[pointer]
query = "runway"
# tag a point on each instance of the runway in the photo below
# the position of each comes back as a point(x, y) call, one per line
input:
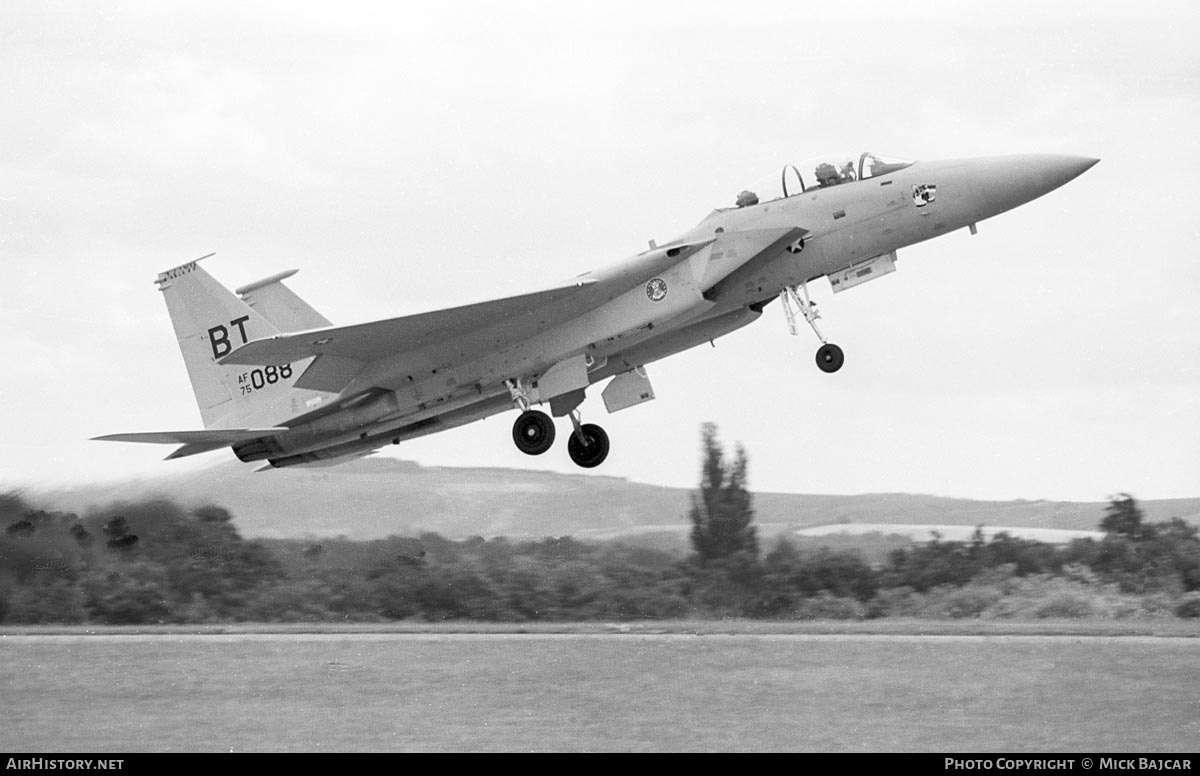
point(610, 691)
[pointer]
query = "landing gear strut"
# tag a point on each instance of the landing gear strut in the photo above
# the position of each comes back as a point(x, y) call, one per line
point(588, 445)
point(795, 300)
point(533, 431)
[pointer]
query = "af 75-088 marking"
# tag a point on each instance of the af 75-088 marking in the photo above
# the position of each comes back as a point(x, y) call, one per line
point(345, 391)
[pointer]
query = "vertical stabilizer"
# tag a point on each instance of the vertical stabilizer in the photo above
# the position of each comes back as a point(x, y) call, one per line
point(210, 321)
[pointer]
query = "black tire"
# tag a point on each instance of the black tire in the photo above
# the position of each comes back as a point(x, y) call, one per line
point(830, 358)
point(594, 452)
point(533, 432)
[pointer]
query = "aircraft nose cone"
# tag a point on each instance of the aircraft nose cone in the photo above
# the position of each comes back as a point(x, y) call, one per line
point(1009, 181)
point(1059, 169)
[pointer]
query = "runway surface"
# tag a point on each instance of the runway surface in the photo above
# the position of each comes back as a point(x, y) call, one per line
point(598, 692)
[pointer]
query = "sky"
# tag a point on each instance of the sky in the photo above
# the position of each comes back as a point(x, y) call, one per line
point(406, 159)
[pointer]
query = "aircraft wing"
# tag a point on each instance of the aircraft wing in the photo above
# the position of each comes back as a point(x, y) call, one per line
point(450, 335)
point(366, 342)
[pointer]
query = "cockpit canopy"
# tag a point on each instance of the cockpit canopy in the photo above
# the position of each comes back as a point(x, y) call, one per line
point(819, 173)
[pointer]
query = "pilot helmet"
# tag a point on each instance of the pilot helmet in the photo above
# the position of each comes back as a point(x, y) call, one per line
point(745, 198)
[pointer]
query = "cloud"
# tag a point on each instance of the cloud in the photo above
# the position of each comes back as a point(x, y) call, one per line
point(407, 158)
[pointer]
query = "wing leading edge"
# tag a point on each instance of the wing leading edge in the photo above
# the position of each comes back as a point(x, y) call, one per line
point(343, 351)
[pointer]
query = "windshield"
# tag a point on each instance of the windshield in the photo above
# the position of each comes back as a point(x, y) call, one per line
point(818, 173)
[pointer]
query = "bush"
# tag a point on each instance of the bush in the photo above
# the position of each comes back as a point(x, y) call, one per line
point(1066, 606)
point(896, 602)
point(789, 574)
point(138, 593)
point(1188, 606)
point(54, 602)
point(828, 607)
point(969, 601)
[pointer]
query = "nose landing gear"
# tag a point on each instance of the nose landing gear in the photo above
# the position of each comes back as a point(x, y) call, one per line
point(795, 300)
point(830, 358)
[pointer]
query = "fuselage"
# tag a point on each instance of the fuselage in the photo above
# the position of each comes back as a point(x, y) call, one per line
point(707, 282)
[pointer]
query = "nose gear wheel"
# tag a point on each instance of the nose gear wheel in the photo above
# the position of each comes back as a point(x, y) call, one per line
point(830, 358)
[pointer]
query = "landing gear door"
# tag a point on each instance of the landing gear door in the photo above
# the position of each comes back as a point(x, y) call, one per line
point(627, 390)
point(563, 377)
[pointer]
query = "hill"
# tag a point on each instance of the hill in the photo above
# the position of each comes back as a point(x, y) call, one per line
point(373, 498)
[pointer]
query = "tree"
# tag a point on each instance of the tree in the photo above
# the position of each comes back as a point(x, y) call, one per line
point(119, 537)
point(1122, 516)
point(722, 512)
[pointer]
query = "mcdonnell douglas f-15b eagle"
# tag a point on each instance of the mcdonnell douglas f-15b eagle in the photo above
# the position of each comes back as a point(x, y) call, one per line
point(278, 382)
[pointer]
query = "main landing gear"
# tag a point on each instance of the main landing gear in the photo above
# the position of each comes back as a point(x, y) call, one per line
point(588, 445)
point(795, 300)
point(533, 432)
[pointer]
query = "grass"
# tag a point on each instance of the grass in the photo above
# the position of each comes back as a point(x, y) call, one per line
point(889, 626)
point(697, 686)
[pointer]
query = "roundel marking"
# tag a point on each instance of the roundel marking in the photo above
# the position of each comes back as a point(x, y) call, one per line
point(656, 289)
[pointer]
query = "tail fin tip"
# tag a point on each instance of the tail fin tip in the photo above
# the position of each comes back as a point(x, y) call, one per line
point(166, 276)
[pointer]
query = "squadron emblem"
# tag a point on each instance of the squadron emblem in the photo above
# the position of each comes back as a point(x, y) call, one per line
point(656, 289)
point(924, 194)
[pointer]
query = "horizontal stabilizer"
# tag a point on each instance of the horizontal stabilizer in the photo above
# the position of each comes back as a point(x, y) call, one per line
point(217, 437)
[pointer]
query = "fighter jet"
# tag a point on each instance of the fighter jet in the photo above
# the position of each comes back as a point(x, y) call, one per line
point(277, 382)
